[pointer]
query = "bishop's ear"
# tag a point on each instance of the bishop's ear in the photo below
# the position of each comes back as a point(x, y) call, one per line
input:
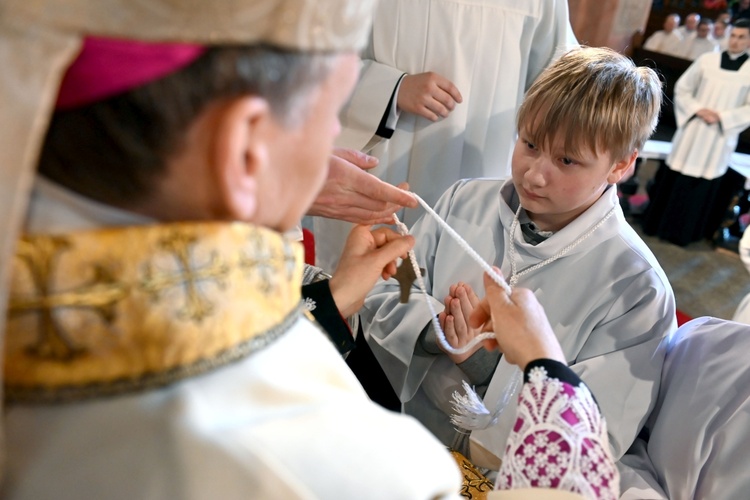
point(240, 154)
point(623, 169)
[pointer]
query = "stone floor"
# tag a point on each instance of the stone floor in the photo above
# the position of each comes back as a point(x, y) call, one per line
point(706, 281)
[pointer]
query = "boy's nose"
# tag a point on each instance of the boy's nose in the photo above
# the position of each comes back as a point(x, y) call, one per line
point(536, 175)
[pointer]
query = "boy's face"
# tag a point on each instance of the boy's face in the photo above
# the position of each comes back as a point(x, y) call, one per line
point(300, 155)
point(554, 187)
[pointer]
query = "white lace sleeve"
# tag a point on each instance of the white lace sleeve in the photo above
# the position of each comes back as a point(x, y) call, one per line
point(559, 441)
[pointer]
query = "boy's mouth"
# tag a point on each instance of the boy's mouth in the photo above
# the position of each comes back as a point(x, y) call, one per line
point(528, 194)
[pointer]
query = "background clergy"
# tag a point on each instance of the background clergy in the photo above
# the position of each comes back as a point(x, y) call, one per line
point(712, 107)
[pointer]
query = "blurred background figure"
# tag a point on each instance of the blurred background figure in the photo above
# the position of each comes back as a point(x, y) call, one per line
point(667, 40)
point(701, 42)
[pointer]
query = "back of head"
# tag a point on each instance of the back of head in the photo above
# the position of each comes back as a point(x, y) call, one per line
point(596, 99)
point(135, 132)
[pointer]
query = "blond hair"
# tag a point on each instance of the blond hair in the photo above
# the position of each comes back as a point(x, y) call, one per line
point(596, 98)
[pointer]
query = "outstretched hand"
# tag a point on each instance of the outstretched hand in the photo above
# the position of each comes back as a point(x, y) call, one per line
point(429, 95)
point(522, 331)
point(354, 195)
point(368, 255)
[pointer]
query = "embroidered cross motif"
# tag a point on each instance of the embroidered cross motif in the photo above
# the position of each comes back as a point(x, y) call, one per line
point(179, 244)
point(100, 295)
point(262, 259)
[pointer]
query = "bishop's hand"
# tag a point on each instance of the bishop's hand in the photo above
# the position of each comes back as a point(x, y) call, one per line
point(352, 194)
point(368, 255)
point(521, 327)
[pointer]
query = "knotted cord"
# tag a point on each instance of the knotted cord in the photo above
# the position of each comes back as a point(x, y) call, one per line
point(496, 277)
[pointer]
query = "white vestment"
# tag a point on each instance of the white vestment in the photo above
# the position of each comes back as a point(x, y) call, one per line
point(696, 46)
point(723, 41)
point(742, 314)
point(700, 427)
point(607, 300)
point(492, 50)
point(666, 43)
point(698, 149)
point(288, 421)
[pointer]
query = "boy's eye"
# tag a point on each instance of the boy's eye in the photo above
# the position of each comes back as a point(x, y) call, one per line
point(529, 145)
point(567, 161)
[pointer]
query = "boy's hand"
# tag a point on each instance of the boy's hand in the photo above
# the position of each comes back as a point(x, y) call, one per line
point(521, 328)
point(459, 306)
point(429, 95)
point(368, 255)
point(353, 195)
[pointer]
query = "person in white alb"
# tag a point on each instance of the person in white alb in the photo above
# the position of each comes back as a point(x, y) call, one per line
point(721, 32)
point(712, 106)
point(463, 67)
point(668, 40)
point(689, 29)
point(701, 43)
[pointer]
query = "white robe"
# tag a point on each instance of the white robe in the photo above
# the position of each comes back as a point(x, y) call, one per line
point(742, 314)
point(289, 421)
point(700, 426)
point(696, 46)
point(492, 50)
point(608, 301)
point(666, 43)
point(701, 150)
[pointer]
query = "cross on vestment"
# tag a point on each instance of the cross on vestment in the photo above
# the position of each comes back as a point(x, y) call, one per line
point(100, 295)
point(179, 244)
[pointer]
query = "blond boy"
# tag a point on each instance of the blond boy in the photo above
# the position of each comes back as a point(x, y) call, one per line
point(561, 233)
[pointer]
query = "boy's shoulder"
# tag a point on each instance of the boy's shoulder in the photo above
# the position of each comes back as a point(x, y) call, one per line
point(468, 196)
point(634, 251)
point(484, 187)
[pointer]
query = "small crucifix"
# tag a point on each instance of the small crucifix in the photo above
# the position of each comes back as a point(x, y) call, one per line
point(405, 277)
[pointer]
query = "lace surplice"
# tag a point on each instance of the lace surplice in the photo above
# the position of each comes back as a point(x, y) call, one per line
point(559, 440)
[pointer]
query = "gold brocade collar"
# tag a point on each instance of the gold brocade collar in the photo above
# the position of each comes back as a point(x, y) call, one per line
point(95, 313)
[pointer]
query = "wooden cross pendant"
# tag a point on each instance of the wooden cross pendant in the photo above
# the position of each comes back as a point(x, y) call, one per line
point(405, 277)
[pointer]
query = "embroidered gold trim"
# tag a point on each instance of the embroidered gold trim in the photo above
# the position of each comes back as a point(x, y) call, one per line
point(475, 485)
point(102, 312)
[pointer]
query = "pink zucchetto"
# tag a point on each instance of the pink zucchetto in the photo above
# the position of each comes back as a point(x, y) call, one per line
point(106, 67)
